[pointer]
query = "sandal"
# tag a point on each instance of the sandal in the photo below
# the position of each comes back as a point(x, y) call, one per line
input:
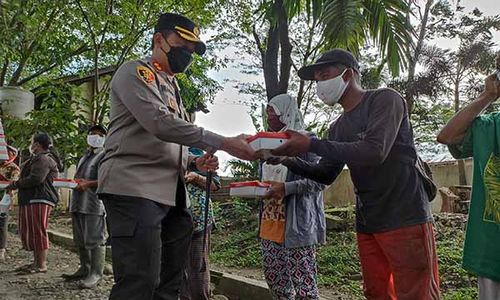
point(38, 270)
point(32, 271)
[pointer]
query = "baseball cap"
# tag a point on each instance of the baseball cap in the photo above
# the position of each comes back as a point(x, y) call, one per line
point(184, 27)
point(331, 57)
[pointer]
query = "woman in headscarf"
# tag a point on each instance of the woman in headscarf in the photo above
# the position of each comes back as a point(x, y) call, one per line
point(292, 218)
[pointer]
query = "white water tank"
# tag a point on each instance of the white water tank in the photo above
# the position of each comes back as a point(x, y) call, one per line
point(16, 101)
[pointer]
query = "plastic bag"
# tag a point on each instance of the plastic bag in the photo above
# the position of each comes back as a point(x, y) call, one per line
point(5, 203)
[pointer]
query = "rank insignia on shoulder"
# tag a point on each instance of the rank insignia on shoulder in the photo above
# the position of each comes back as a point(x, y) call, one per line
point(145, 74)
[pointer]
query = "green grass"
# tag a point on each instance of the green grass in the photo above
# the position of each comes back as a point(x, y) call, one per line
point(338, 264)
point(235, 245)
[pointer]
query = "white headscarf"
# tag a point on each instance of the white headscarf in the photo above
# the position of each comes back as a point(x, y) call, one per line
point(286, 108)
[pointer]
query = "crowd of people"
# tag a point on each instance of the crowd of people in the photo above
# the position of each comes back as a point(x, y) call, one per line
point(144, 179)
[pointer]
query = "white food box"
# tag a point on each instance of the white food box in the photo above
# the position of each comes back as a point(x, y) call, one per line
point(65, 183)
point(267, 140)
point(249, 189)
point(4, 184)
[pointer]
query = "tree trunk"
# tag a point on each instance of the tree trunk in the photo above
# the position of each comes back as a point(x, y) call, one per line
point(462, 178)
point(274, 59)
point(286, 50)
point(270, 63)
point(410, 92)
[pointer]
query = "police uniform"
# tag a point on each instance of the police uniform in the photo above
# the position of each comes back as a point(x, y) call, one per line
point(141, 179)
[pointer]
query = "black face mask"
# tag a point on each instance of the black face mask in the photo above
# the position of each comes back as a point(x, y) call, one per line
point(179, 58)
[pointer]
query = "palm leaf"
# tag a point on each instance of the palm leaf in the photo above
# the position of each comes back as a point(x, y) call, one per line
point(344, 22)
point(390, 28)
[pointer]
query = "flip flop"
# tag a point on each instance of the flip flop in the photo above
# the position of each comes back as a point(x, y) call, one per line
point(38, 270)
point(32, 271)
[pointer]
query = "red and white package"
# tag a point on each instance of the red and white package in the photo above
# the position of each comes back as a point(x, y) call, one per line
point(249, 189)
point(4, 184)
point(267, 140)
point(65, 183)
point(4, 155)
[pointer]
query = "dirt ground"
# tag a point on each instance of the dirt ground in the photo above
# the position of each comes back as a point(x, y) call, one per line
point(44, 286)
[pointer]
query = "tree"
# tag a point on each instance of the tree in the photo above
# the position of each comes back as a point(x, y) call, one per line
point(39, 43)
point(448, 77)
point(36, 39)
point(58, 117)
point(338, 23)
point(423, 18)
point(121, 30)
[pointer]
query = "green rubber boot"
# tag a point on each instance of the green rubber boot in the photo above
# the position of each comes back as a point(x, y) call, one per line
point(96, 268)
point(84, 269)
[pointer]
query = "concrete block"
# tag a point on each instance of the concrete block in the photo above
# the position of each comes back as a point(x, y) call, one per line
point(61, 239)
point(242, 288)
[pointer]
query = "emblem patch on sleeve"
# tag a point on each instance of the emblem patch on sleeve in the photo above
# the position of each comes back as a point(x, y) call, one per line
point(145, 74)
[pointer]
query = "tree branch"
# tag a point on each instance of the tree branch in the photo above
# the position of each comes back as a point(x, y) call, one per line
point(258, 42)
point(5, 67)
point(51, 66)
point(286, 50)
point(32, 47)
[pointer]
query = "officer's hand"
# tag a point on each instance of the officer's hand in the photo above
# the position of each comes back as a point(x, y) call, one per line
point(207, 162)
point(297, 144)
point(238, 146)
point(492, 87)
point(276, 191)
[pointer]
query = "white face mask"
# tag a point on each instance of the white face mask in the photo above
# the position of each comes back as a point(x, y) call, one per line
point(330, 91)
point(95, 140)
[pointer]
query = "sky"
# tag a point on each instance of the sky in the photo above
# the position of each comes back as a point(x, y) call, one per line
point(229, 118)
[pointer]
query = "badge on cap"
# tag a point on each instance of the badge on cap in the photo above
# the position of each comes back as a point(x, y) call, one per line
point(145, 74)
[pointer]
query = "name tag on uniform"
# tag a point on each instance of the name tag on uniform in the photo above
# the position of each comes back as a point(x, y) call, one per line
point(172, 104)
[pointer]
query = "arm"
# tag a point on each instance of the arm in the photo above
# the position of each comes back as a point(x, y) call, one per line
point(324, 171)
point(91, 181)
point(454, 131)
point(303, 186)
point(84, 184)
point(201, 181)
point(384, 121)
point(39, 171)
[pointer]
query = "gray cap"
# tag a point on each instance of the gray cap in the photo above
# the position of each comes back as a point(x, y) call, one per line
point(331, 57)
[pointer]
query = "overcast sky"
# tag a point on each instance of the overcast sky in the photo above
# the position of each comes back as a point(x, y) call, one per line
point(228, 118)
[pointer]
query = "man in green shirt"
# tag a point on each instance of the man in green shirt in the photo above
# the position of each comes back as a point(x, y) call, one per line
point(470, 134)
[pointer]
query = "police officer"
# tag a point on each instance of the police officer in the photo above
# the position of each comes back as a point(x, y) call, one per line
point(141, 177)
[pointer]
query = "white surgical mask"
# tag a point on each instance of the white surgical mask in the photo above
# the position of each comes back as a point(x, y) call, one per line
point(330, 91)
point(95, 141)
